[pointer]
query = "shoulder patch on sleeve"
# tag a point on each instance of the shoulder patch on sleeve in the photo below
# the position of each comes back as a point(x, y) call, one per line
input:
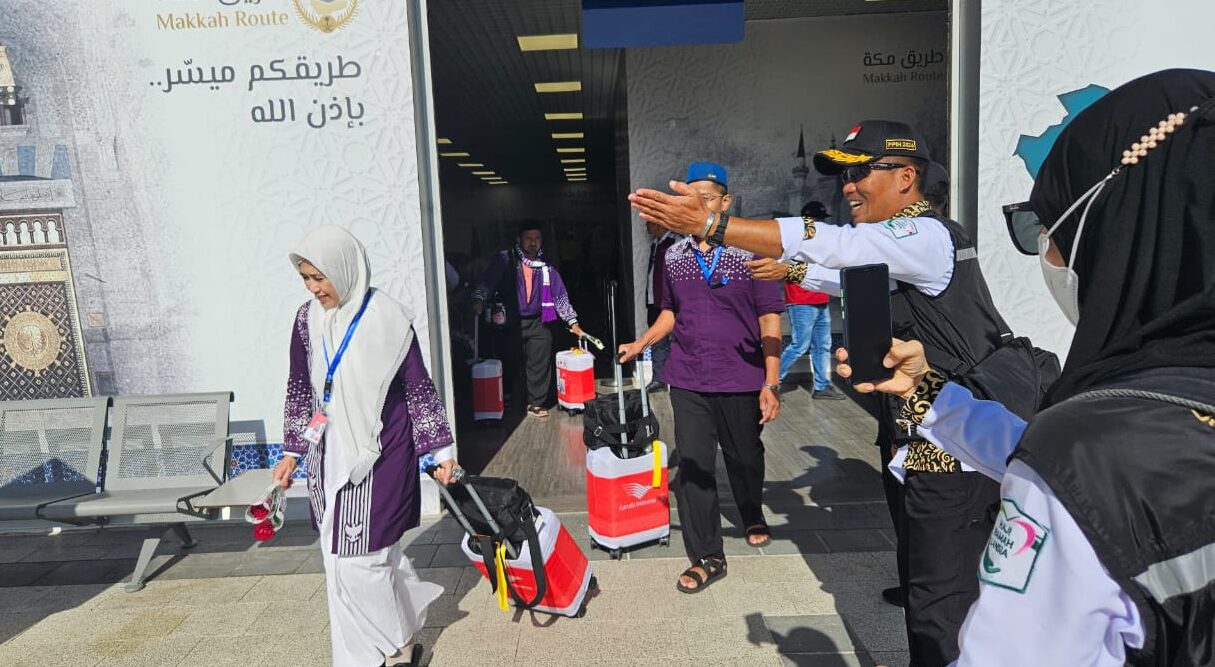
point(1013, 548)
point(901, 227)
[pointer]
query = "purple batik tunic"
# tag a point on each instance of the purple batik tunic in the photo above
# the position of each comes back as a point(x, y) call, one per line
point(375, 514)
point(715, 346)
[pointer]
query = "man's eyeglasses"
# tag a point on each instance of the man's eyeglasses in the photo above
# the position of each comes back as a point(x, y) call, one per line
point(861, 171)
point(1023, 226)
point(708, 198)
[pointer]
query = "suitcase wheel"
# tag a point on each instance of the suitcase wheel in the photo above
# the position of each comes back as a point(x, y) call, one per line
point(665, 541)
point(615, 554)
point(593, 585)
point(581, 611)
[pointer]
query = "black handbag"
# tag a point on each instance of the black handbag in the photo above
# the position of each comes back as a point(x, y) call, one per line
point(1016, 375)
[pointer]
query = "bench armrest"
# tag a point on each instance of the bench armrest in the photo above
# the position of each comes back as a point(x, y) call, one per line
point(206, 461)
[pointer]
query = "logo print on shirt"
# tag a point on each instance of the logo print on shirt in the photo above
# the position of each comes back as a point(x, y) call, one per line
point(1013, 548)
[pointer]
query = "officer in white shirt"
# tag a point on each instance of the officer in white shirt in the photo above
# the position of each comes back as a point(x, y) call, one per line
point(938, 296)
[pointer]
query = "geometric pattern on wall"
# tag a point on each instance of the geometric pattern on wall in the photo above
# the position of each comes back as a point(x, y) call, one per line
point(41, 346)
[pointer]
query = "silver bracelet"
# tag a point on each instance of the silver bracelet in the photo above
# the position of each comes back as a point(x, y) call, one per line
point(704, 233)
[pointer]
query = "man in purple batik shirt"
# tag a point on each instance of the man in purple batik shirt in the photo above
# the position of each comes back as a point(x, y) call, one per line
point(723, 373)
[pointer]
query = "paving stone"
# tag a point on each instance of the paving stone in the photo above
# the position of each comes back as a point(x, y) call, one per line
point(856, 540)
point(270, 562)
point(827, 660)
point(810, 634)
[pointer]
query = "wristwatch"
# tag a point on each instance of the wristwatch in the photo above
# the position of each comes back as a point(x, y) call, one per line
point(718, 237)
point(775, 388)
point(704, 233)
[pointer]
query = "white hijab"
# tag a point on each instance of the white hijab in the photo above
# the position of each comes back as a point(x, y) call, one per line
point(375, 353)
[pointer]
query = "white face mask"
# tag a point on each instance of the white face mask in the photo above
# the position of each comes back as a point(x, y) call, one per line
point(1062, 281)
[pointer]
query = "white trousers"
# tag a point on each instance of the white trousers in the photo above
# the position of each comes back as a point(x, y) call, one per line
point(376, 603)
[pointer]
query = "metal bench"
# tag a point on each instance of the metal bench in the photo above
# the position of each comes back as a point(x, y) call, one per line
point(163, 452)
point(50, 450)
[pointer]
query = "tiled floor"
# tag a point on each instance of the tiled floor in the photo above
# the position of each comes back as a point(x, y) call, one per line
point(810, 598)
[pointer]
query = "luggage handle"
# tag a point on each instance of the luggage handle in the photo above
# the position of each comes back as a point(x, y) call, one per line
point(457, 477)
point(476, 340)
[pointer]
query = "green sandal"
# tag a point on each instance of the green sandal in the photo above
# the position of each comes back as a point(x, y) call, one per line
point(714, 567)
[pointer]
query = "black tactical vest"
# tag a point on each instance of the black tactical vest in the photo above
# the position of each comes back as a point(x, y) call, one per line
point(1138, 476)
point(958, 327)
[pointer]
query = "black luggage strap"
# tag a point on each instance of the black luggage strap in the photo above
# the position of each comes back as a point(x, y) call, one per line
point(537, 554)
point(488, 555)
point(642, 438)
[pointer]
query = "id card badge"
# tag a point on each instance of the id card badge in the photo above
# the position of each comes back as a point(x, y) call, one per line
point(316, 428)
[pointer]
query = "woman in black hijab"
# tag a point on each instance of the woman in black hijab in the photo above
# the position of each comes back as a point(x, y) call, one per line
point(1104, 549)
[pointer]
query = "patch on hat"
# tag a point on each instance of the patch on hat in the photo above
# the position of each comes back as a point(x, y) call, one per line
point(1013, 548)
point(852, 135)
point(837, 155)
point(900, 145)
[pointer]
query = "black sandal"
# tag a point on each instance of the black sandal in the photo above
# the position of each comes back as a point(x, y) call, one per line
point(714, 567)
point(415, 657)
point(759, 529)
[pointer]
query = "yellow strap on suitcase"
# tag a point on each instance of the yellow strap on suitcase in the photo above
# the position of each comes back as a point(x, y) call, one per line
point(656, 482)
point(500, 562)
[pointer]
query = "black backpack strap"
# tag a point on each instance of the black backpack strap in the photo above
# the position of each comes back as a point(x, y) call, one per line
point(1144, 394)
point(537, 554)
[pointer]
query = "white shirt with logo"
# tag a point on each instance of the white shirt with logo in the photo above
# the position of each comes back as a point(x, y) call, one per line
point(1044, 598)
point(918, 251)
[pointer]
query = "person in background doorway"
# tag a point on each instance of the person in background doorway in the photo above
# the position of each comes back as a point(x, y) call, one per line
point(525, 295)
point(661, 241)
point(810, 325)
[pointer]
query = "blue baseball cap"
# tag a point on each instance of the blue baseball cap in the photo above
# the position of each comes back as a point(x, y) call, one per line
point(707, 171)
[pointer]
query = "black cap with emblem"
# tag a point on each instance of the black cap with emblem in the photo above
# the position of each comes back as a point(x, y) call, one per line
point(870, 140)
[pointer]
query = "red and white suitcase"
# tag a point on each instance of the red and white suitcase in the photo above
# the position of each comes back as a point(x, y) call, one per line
point(565, 566)
point(486, 382)
point(628, 500)
point(627, 489)
point(575, 378)
point(555, 557)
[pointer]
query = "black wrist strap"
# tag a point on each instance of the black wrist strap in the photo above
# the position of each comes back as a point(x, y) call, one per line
point(718, 237)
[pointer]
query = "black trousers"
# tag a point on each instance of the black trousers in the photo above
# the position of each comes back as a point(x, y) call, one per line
point(538, 359)
point(896, 505)
point(947, 520)
point(702, 420)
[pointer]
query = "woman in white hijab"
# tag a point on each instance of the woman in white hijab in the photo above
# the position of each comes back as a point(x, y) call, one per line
point(362, 410)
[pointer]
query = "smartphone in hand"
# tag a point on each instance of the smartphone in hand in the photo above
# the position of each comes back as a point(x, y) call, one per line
point(866, 305)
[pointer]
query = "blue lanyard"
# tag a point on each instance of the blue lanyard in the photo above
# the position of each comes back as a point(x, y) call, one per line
point(707, 270)
point(337, 358)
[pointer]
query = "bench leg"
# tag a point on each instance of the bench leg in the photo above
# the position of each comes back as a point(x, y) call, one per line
point(183, 534)
point(141, 566)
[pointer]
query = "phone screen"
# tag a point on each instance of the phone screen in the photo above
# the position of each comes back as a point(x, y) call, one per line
point(866, 306)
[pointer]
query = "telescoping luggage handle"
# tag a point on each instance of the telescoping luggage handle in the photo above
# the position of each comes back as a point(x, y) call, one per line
point(492, 556)
point(476, 340)
point(656, 479)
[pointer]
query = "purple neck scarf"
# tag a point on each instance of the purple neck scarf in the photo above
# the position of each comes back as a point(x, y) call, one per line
point(548, 308)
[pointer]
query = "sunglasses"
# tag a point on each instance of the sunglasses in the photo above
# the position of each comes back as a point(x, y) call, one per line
point(861, 171)
point(1023, 226)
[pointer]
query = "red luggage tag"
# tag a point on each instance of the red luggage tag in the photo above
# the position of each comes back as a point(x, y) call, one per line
point(316, 428)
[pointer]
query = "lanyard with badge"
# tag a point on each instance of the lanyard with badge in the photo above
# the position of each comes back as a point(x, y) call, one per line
point(707, 270)
point(316, 427)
